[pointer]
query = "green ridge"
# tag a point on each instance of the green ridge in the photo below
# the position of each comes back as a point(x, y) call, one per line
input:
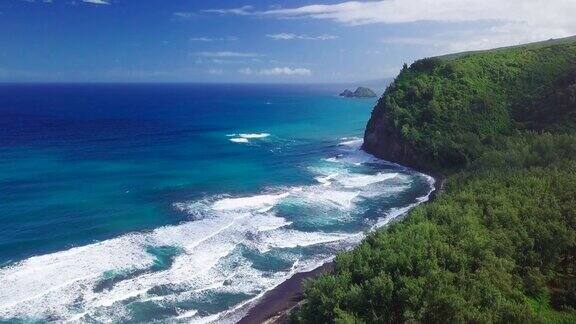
point(499, 243)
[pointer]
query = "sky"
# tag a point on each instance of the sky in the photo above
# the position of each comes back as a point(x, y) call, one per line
point(256, 40)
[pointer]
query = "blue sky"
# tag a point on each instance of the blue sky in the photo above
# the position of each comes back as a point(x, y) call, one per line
point(255, 40)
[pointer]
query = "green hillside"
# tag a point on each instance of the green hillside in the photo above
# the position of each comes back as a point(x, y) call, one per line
point(448, 112)
point(499, 243)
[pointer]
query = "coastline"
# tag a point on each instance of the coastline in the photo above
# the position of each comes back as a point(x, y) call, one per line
point(275, 305)
point(403, 153)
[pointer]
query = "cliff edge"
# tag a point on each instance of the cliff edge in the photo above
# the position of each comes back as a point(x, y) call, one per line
point(499, 244)
point(441, 113)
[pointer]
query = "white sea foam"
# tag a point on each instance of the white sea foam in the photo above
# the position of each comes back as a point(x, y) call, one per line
point(352, 153)
point(264, 223)
point(50, 284)
point(187, 314)
point(326, 181)
point(336, 198)
point(397, 212)
point(254, 135)
point(239, 140)
point(293, 238)
point(348, 179)
point(261, 202)
point(246, 137)
point(61, 285)
point(332, 159)
point(355, 143)
point(358, 181)
point(236, 313)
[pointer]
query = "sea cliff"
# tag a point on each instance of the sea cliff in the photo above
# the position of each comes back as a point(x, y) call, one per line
point(440, 113)
point(498, 245)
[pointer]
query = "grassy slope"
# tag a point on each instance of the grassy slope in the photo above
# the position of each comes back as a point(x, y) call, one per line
point(500, 244)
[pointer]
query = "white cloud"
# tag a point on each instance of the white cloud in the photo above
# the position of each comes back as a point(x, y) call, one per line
point(291, 36)
point(224, 54)
point(183, 15)
point(402, 11)
point(221, 61)
point(511, 21)
point(479, 38)
point(286, 71)
point(215, 71)
point(246, 71)
point(277, 71)
point(97, 2)
point(242, 11)
point(201, 39)
point(409, 40)
point(212, 39)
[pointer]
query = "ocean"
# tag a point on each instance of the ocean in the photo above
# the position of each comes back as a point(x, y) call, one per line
point(180, 202)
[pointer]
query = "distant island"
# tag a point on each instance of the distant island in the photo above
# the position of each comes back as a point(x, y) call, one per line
point(360, 92)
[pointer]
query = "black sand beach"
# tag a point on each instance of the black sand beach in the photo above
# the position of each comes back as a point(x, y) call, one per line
point(275, 305)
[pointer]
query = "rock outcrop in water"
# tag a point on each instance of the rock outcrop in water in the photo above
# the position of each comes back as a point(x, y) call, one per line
point(347, 93)
point(360, 92)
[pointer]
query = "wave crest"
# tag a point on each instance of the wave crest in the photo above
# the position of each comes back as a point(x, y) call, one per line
point(235, 249)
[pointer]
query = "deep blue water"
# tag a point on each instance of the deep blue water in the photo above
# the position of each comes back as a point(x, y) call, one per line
point(179, 202)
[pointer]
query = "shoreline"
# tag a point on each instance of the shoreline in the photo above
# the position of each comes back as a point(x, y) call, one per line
point(275, 305)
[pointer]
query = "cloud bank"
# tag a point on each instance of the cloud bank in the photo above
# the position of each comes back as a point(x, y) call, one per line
point(277, 71)
point(97, 2)
point(510, 21)
point(557, 12)
point(291, 36)
point(226, 54)
point(213, 39)
point(242, 11)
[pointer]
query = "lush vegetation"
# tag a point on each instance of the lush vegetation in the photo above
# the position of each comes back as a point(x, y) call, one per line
point(449, 109)
point(499, 244)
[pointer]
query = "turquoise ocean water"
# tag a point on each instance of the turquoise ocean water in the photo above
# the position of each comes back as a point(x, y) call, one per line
point(139, 203)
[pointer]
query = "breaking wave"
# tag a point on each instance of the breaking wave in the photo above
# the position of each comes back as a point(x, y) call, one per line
point(245, 138)
point(232, 251)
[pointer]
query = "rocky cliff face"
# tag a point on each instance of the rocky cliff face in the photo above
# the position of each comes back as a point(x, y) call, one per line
point(446, 113)
point(382, 140)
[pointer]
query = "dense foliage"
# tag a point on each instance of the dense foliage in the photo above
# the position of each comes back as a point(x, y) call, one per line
point(499, 245)
point(447, 109)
